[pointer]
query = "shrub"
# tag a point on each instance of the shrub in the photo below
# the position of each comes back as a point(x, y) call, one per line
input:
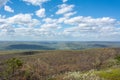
point(118, 59)
point(11, 68)
point(82, 76)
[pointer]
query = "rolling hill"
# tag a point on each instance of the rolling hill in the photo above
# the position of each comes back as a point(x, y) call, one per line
point(41, 64)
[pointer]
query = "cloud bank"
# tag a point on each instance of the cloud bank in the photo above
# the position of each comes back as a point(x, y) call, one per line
point(67, 26)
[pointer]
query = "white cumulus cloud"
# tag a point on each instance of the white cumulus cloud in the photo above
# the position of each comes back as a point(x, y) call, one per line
point(65, 1)
point(36, 2)
point(41, 12)
point(19, 20)
point(64, 25)
point(69, 14)
point(92, 28)
point(64, 8)
point(19, 26)
point(50, 26)
point(8, 8)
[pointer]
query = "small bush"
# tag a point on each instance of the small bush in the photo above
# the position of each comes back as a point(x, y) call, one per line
point(117, 58)
point(82, 76)
point(11, 67)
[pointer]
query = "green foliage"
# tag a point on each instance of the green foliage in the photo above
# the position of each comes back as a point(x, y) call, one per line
point(111, 74)
point(11, 67)
point(118, 59)
point(14, 63)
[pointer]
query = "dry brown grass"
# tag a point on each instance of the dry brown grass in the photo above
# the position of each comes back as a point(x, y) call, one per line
point(40, 65)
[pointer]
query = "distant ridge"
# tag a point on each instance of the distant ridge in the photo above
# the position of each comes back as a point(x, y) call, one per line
point(28, 46)
point(56, 45)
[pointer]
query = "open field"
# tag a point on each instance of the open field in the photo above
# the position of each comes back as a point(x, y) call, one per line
point(56, 64)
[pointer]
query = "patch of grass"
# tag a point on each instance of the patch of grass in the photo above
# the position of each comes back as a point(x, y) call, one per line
point(77, 75)
point(110, 74)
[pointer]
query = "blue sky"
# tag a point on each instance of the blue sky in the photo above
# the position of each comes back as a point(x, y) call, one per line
point(60, 20)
